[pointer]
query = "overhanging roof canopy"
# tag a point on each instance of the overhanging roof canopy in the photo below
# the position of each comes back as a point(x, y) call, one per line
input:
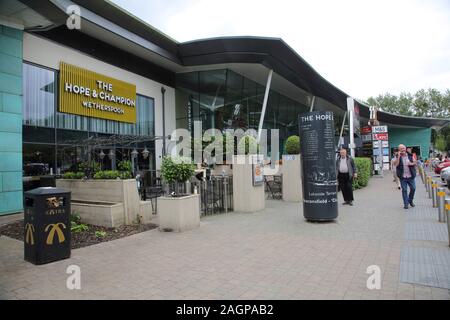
point(272, 53)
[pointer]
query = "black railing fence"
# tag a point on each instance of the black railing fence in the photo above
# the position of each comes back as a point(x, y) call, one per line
point(216, 192)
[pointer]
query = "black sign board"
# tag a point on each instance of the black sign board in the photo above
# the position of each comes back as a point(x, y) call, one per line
point(318, 165)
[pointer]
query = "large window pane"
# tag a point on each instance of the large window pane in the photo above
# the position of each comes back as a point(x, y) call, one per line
point(39, 87)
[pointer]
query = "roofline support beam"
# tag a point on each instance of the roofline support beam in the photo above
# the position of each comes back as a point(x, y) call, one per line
point(264, 106)
point(313, 102)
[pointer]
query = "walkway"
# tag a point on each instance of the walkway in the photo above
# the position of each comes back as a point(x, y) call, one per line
point(273, 254)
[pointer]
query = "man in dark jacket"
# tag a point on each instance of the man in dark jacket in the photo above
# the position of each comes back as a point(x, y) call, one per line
point(406, 172)
point(346, 171)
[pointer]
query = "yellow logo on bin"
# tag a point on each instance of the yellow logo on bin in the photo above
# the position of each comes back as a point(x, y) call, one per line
point(29, 235)
point(55, 228)
point(447, 206)
point(441, 193)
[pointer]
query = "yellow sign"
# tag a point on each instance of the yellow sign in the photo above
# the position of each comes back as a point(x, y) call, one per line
point(55, 228)
point(441, 193)
point(87, 93)
point(29, 235)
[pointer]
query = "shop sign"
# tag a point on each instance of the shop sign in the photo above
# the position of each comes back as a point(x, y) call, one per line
point(366, 130)
point(380, 136)
point(90, 94)
point(379, 129)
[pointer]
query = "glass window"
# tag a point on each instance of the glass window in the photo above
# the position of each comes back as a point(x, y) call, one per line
point(212, 98)
point(39, 87)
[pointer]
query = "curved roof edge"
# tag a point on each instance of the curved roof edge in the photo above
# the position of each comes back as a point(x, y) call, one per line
point(274, 53)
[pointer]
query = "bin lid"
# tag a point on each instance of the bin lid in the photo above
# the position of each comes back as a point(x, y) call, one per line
point(46, 190)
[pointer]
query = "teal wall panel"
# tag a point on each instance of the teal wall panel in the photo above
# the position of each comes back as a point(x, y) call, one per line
point(11, 103)
point(12, 181)
point(411, 137)
point(10, 161)
point(10, 122)
point(11, 193)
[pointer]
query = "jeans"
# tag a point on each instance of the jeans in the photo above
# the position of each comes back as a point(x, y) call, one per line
point(405, 182)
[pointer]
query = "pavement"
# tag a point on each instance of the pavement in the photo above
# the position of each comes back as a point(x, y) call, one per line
point(272, 254)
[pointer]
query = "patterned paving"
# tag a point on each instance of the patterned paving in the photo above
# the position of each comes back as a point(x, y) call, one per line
point(272, 254)
point(425, 257)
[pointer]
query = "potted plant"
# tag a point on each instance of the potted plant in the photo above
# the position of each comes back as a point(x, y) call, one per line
point(176, 171)
point(291, 169)
point(178, 211)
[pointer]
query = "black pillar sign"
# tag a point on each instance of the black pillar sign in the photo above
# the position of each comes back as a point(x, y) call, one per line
point(319, 181)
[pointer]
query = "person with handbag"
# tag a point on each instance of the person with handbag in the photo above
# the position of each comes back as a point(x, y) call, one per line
point(346, 172)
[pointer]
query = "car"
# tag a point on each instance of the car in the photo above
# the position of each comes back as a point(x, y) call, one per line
point(445, 174)
point(441, 166)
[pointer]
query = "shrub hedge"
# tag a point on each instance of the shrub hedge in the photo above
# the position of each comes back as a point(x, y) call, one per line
point(364, 167)
point(73, 175)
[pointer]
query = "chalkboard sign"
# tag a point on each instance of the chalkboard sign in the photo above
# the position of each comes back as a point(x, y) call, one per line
point(318, 165)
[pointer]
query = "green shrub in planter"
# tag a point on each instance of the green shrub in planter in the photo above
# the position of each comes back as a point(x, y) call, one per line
point(364, 167)
point(73, 175)
point(124, 165)
point(176, 169)
point(107, 174)
point(292, 145)
point(248, 145)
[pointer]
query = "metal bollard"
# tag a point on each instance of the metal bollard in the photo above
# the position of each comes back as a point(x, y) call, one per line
point(434, 193)
point(429, 187)
point(447, 215)
point(441, 203)
point(225, 191)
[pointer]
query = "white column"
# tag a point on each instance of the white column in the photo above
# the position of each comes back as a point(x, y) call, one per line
point(264, 106)
point(350, 109)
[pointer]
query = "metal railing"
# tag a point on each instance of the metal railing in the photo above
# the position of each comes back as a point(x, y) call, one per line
point(216, 193)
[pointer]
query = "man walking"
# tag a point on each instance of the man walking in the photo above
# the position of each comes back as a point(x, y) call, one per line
point(394, 170)
point(346, 169)
point(406, 171)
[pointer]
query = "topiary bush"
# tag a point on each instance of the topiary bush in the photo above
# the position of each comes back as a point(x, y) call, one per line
point(292, 145)
point(176, 169)
point(248, 145)
point(364, 167)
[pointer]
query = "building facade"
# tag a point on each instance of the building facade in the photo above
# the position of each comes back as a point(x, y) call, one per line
point(219, 82)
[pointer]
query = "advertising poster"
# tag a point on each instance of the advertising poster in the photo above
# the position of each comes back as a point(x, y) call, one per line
point(318, 166)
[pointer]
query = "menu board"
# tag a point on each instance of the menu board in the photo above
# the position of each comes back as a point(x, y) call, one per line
point(318, 165)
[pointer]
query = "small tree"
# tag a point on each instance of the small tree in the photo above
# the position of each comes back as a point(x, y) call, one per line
point(292, 145)
point(175, 170)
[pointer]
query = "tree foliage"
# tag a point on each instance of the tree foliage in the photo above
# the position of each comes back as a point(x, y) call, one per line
point(424, 103)
point(430, 103)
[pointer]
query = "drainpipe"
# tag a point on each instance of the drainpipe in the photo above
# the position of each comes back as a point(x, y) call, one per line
point(163, 91)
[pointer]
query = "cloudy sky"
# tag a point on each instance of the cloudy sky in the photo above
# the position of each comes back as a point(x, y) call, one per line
point(363, 47)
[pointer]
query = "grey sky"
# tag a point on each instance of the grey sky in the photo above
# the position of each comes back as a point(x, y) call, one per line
point(363, 47)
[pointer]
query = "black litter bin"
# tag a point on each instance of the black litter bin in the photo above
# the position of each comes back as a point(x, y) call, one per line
point(46, 225)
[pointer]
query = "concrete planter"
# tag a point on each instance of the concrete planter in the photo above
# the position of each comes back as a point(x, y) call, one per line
point(292, 181)
point(179, 214)
point(108, 203)
point(246, 196)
